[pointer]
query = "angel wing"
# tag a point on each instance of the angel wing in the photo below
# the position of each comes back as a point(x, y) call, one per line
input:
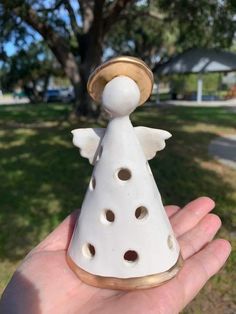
point(88, 141)
point(151, 140)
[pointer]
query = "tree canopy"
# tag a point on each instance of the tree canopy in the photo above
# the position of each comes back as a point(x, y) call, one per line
point(82, 32)
point(30, 68)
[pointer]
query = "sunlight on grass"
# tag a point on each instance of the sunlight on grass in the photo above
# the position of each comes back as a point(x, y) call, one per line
point(44, 178)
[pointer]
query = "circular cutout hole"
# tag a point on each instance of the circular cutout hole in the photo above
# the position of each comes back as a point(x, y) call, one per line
point(131, 256)
point(92, 183)
point(88, 250)
point(141, 212)
point(124, 174)
point(109, 215)
point(170, 242)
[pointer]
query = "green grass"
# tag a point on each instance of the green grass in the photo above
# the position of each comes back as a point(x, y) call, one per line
point(43, 179)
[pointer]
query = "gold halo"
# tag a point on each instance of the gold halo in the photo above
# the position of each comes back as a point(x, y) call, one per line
point(132, 67)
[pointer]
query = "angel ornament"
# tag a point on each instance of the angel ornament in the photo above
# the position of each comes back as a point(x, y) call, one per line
point(123, 238)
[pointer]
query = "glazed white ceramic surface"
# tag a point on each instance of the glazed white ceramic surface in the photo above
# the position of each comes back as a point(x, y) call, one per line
point(120, 146)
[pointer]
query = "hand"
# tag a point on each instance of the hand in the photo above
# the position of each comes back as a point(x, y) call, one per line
point(45, 284)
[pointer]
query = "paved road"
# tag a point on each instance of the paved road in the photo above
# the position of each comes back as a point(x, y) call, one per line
point(224, 149)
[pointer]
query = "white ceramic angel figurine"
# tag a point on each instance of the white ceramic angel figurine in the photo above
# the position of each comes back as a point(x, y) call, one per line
point(123, 238)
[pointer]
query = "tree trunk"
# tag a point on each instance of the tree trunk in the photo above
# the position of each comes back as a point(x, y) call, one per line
point(32, 92)
point(90, 44)
point(45, 85)
point(84, 104)
point(90, 55)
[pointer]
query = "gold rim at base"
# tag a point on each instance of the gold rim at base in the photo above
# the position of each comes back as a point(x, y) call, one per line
point(125, 283)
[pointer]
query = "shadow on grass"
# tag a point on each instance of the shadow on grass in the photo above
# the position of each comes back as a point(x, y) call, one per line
point(31, 113)
point(179, 170)
point(182, 116)
point(44, 178)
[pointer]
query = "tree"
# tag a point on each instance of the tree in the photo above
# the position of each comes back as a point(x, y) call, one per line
point(78, 32)
point(76, 43)
point(29, 68)
point(170, 27)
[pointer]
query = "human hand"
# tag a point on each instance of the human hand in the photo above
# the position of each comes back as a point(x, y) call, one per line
point(45, 284)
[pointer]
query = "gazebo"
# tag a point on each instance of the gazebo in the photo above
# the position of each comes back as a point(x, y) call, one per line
point(198, 61)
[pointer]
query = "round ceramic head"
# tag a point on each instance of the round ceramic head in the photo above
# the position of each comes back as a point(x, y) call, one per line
point(132, 67)
point(120, 96)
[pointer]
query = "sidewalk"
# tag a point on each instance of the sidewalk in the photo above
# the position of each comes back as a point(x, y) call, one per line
point(9, 100)
point(188, 103)
point(224, 150)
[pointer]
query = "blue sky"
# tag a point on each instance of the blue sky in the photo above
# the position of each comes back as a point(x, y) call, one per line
point(10, 48)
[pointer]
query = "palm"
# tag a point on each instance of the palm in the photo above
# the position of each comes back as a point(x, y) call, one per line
point(45, 284)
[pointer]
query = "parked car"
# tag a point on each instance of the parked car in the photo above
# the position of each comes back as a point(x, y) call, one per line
point(52, 95)
point(67, 94)
point(59, 94)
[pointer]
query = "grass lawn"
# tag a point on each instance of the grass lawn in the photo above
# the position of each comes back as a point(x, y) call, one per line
point(43, 179)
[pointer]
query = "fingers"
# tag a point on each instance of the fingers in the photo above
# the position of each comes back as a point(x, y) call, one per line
point(175, 294)
point(171, 210)
point(193, 240)
point(187, 218)
point(59, 239)
point(200, 267)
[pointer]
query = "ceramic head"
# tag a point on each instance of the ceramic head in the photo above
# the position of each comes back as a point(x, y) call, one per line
point(120, 96)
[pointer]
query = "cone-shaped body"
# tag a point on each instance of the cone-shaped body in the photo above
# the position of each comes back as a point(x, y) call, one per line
point(123, 230)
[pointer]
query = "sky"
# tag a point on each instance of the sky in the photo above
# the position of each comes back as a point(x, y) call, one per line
point(10, 48)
